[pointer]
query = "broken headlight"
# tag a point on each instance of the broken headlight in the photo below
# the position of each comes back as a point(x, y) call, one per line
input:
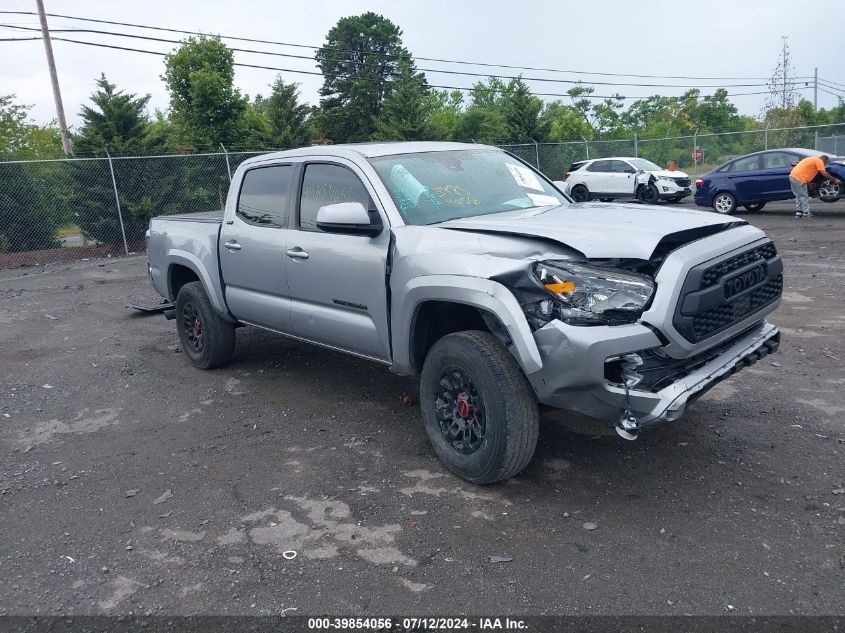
point(589, 295)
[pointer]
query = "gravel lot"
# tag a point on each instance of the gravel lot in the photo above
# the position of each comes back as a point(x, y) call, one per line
point(738, 508)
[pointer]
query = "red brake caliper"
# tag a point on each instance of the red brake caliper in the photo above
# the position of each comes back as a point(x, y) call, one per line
point(197, 326)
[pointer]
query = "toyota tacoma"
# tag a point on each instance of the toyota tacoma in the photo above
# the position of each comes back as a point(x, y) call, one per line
point(466, 267)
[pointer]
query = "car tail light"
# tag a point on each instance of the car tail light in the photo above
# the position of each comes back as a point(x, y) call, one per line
point(699, 182)
point(567, 175)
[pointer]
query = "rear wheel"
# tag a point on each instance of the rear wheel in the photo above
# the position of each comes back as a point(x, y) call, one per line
point(207, 339)
point(757, 206)
point(580, 193)
point(479, 410)
point(829, 191)
point(724, 203)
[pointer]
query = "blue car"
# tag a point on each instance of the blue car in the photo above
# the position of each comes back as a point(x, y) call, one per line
point(755, 179)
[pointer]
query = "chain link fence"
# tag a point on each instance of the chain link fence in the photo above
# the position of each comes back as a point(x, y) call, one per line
point(55, 210)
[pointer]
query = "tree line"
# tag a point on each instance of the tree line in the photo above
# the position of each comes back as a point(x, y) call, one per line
point(372, 90)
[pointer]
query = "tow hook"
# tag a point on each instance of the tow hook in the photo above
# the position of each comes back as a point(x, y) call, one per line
point(627, 427)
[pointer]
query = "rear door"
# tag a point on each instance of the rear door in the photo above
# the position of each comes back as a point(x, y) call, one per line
point(252, 249)
point(598, 177)
point(744, 176)
point(774, 180)
point(338, 284)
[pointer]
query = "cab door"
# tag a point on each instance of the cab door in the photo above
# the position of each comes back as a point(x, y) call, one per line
point(252, 249)
point(338, 284)
point(774, 178)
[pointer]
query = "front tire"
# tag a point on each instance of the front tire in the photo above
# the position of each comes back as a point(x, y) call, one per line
point(648, 194)
point(207, 339)
point(479, 410)
point(724, 203)
point(754, 208)
point(580, 193)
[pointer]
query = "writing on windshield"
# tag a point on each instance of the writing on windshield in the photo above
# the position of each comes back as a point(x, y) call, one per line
point(431, 187)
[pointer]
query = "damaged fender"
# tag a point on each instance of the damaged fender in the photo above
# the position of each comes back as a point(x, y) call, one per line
point(484, 294)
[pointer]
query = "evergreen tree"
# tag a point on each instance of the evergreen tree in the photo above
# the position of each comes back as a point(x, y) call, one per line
point(403, 117)
point(286, 117)
point(522, 114)
point(359, 61)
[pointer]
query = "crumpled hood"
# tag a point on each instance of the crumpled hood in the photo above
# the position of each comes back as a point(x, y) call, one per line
point(597, 230)
point(665, 173)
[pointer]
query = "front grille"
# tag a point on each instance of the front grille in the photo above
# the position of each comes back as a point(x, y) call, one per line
point(682, 182)
point(717, 319)
point(723, 292)
point(713, 274)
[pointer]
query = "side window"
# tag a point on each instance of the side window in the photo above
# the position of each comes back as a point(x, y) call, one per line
point(621, 167)
point(745, 164)
point(328, 184)
point(600, 165)
point(778, 159)
point(264, 194)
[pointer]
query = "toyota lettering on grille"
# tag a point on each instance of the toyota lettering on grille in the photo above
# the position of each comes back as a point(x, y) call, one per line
point(744, 281)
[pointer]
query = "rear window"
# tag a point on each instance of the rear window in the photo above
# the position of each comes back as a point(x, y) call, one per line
point(600, 165)
point(264, 196)
point(577, 166)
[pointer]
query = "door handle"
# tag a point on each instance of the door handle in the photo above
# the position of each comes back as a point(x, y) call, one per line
point(297, 253)
point(232, 245)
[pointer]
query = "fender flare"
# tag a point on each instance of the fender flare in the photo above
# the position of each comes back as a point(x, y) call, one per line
point(483, 294)
point(176, 257)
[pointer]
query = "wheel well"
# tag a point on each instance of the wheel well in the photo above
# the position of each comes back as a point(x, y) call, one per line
point(179, 276)
point(435, 319)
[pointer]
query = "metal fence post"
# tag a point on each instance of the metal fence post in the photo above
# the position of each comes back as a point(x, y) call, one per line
point(636, 147)
point(694, 159)
point(816, 142)
point(586, 146)
point(766, 136)
point(117, 202)
point(537, 153)
point(228, 168)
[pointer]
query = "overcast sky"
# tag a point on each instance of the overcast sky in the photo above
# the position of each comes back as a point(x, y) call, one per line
point(720, 38)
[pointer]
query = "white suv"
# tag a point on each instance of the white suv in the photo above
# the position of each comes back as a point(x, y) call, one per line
point(623, 177)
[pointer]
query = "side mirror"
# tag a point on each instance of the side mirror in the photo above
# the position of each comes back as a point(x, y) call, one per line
point(348, 217)
point(795, 162)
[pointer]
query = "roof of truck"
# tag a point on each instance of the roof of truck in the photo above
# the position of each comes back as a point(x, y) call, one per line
point(370, 150)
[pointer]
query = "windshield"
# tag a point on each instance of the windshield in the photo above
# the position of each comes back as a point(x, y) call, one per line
point(645, 165)
point(433, 187)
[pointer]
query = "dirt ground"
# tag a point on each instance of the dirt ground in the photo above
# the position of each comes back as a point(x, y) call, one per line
point(738, 508)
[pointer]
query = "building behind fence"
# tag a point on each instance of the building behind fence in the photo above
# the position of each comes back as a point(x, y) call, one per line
point(53, 210)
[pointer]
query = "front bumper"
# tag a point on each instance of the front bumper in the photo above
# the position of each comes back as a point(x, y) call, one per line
point(573, 373)
point(669, 189)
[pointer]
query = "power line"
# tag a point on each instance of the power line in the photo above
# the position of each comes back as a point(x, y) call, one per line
point(467, 88)
point(825, 84)
point(428, 70)
point(430, 59)
point(830, 81)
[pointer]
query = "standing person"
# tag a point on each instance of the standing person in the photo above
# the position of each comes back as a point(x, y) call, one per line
point(801, 176)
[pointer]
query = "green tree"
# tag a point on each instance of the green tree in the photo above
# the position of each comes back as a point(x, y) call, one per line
point(116, 122)
point(21, 138)
point(359, 62)
point(404, 116)
point(287, 119)
point(29, 193)
point(484, 121)
point(205, 106)
point(443, 110)
point(521, 111)
point(565, 123)
point(603, 117)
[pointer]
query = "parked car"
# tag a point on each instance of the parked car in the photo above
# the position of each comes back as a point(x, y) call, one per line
point(464, 266)
point(755, 179)
point(607, 179)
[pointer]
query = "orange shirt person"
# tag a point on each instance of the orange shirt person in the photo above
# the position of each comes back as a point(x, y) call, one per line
point(802, 175)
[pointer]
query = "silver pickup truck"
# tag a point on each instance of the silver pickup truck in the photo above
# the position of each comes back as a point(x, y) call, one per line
point(465, 266)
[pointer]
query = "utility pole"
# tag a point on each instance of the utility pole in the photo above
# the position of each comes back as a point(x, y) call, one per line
point(785, 69)
point(54, 79)
point(816, 90)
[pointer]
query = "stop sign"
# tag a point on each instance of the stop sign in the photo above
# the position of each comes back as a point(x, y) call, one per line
point(696, 154)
